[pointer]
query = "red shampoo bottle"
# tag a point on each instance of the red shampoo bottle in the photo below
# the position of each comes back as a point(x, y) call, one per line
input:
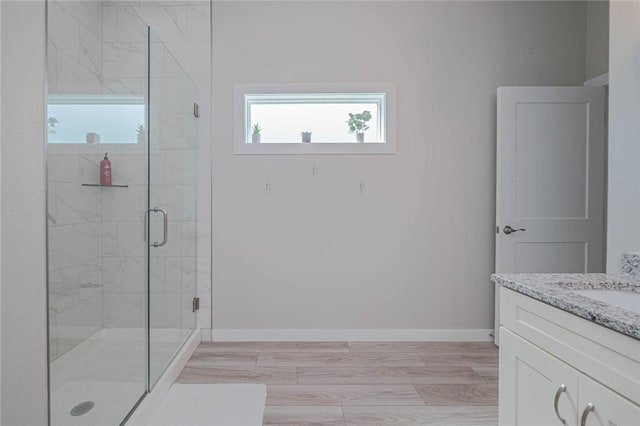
point(105, 171)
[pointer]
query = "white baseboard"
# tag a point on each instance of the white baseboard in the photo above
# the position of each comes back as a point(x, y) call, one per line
point(352, 335)
point(145, 410)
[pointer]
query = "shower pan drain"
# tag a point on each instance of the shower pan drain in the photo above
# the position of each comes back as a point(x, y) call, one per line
point(82, 408)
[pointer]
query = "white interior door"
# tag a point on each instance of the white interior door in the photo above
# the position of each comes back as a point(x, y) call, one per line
point(550, 180)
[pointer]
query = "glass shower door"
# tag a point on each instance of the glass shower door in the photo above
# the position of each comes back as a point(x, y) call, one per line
point(172, 200)
point(96, 226)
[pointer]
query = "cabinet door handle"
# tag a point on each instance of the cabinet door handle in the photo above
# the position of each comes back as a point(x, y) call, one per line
point(585, 413)
point(556, 400)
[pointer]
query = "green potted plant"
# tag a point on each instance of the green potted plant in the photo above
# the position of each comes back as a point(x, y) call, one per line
point(51, 122)
point(306, 137)
point(255, 133)
point(358, 124)
point(140, 132)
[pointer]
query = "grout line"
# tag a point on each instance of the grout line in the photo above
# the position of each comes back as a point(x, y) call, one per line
point(483, 378)
point(421, 359)
point(370, 404)
point(420, 395)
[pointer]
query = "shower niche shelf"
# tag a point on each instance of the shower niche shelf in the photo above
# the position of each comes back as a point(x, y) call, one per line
point(105, 186)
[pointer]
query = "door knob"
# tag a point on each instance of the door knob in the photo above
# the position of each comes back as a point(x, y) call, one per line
point(509, 230)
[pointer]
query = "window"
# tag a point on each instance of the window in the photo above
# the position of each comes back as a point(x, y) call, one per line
point(78, 119)
point(283, 117)
point(296, 119)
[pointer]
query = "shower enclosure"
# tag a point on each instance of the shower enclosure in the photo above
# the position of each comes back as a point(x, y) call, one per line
point(121, 256)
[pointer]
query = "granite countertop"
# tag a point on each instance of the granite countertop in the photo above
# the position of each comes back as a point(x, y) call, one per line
point(558, 290)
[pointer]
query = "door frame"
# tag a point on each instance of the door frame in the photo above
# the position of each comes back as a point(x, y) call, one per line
point(602, 80)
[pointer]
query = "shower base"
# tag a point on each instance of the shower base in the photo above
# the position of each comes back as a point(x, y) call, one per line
point(108, 369)
point(112, 402)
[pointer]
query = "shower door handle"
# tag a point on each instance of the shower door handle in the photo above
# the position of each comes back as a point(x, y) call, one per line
point(165, 219)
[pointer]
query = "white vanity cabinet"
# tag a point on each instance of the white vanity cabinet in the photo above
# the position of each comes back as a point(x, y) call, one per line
point(610, 409)
point(529, 381)
point(554, 366)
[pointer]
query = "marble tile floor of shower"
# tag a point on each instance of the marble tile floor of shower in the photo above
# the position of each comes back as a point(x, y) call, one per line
point(352, 383)
point(109, 370)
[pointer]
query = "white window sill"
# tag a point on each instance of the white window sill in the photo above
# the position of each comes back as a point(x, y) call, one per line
point(314, 148)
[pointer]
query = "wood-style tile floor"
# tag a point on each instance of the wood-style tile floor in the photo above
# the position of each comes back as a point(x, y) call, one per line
point(345, 383)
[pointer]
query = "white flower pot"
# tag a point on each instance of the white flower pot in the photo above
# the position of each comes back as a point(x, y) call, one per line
point(360, 137)
point(255, 138)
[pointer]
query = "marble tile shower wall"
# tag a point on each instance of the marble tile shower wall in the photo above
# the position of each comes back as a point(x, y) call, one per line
point(74, 47)
point(185, 28)
point(74, 216)
point(96, 246)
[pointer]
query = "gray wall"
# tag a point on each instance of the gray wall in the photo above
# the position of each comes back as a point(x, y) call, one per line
point(1, 217)
point(23, 298)
point(623, 230)
point(416, 250)
point(597, 59)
